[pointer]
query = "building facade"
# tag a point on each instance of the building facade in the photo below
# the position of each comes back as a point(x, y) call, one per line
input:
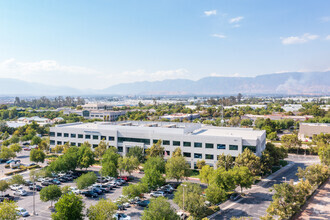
point(307, 130)
point(196, 141)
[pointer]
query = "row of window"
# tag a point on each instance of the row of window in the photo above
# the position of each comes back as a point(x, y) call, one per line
point(199, 156)
point(52, 142)
point(81, 136)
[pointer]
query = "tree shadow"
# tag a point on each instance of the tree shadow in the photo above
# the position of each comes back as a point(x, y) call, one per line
point(230, 213)
point(256, 198)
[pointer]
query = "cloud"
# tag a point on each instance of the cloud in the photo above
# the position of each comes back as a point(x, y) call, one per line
point(211, 12)
point(298, 39)
point(218, 36)
point(223, 75)
point(325, 19)
point(327, 37)
point(236, 19)
point(142, 75)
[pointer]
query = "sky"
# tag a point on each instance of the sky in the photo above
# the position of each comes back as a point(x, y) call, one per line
point(96, 44)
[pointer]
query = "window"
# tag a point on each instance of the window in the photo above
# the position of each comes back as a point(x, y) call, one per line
point(197, 144)
point(166, 142)
point(221, 146)
point(111, 138)
point(79, 144)
point(187, 144)
point(251, 148)
point(208, 145)
point(73, 135)
point(66, 135)
point(185, 154)
point(73, 144)
point(59, 142)
point(52, 142)
point(59, 134)
point(198, 156)
point(233, 147)
point(95, 145)
point(87, 136)
point(139, 140)
point(103, 138)
point(176, 143)
point(80, 136)
point(168, 153)
point(120, 149)
point(52, 134)
point(95, 137)
point(155, 141)
point(209, 156)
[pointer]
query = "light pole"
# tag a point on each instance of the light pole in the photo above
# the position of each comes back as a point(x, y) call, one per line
point(284, 178)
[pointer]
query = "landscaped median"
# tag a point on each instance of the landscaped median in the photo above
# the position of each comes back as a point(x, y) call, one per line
point(21, 169)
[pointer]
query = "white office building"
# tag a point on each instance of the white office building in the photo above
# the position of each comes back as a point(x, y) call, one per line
point(196, 141)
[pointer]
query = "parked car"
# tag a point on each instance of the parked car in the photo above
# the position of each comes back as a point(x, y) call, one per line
point(27, 149)
point(37, 187)
point(135, 200)
point(46, 183)
point(6, 197)
point(9, 161)
point(56, 181)
point(22, 212)
point(90, 194)
point(20, 192)
point(3, 160)
point(31, 164)
point(126, 178)
point(28, 183)
point(144, 203)
point(105, 188)
point(16, 187)
point(235, 196)
point(157, 194)
point(75, 190)
point(97, 190)
point(121, 216)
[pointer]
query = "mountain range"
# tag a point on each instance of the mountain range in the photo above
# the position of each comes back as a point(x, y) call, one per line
point(289, 83)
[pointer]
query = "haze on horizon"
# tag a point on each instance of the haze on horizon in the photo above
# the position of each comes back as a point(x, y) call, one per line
point(96, 44)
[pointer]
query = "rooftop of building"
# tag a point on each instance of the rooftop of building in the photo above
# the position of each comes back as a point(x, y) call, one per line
point(316, 124)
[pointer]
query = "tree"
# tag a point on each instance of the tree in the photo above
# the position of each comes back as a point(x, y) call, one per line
point(134, 190)
point(69, 207)
point(58, 149)
point(157, 163)
point(177, 152)
point(100, 149)
point(6, 153)
point(65, 189)
point(36, 140)
point(128, 164)
point(243, 177)
point(246, 122)
point(159, 208)
point(215, 194)
point(272, 136)
point(14, 139)
point(86, 180)
point(153, 178)
point(250, 160)
point(102, 210)
point(194, 203)
point(3, 185)
point(200, 164)
point(37, 155)
point(206, 174)
point(156, 150)
point(8, 210)
point(15, 148)
point(137, 152)
point(50, 193)
point(111, 155)
point(324, 154)
point(225, 161)
point(177, 168)
point(85, 156)
point(223, 179)
point(17, 179)
point(234, 121)
point(109, 169)
point(290, 141)
point(315, 174)
point(44, 145)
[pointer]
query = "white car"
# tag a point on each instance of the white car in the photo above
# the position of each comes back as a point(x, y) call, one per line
point(20, 192)
point(16, 187)
point(121, 216)
point(157, 194)
point(97, 185)
point(22, 212)
point(75, 190)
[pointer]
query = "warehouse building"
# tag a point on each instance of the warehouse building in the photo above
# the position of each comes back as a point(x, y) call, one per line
point(196, 141)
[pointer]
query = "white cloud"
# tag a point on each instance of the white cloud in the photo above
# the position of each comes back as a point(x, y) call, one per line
point(327, 37)
point(236, 19)
point(211, 12)
point(218, 36)
point(299, 39)
point(223, 75)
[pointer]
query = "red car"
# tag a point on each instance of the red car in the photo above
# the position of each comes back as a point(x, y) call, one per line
point(126, 178)
point(27, 149)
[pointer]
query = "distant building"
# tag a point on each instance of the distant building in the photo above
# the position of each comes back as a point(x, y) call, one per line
point(278, 117)
point(247, 105)
point(196, 141)
point(97, 106)
point(38, 120)
point(181, 116)
point(291, 107)
point(307, 130)
point(96, 114)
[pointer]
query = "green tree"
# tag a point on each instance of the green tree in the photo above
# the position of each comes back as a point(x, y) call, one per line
point(177, 152)
point(157, 163)
point(200, 164)
point(36, 140)
point(86, 180)
point(315, 174)
point(14, 139)
point(69, 207)
point(99, 151)
point(215, 194)
point(156, 150)
point(134, 190)
point(17, 179)
point(50, 193)
point(246, 122)
point(85, 156)
point(177, 168)
point(153, 178)
point(37, 155)
point(128, 164)
point(102, 210)
point(111, 155)
point(137, 152)
point(272, 136)
point(243, 177)
point(223, 179)
point(193, 202)
point(15, 147)
point(44, 145)
point(206, 174)
point(8, 210)
point(225, 161)
point(159, 208)
point(290, 141)
point(3, 186)
point(7, 153)
point(250, 160)
point(324, 154)
point(109, 169)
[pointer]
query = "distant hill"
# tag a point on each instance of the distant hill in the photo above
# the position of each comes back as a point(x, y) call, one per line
point(279, 83)
point(295, 83)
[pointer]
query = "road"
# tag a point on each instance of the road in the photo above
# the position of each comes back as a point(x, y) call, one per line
point(258, 198)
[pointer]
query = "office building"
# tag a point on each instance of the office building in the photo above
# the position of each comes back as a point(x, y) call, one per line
point(307, 130)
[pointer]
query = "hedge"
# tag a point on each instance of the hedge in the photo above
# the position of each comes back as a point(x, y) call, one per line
point(15, 171)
